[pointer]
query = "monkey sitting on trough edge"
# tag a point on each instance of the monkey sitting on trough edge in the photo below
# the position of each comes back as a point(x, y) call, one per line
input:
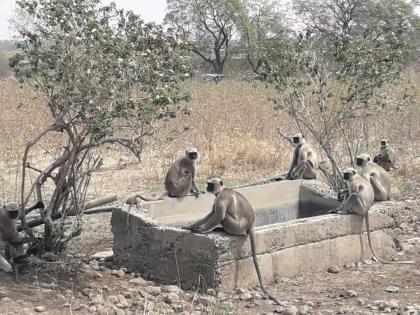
point(234, 213)
point(179, 180)
point(359, 200)
point(386, 157)
point(305, 160)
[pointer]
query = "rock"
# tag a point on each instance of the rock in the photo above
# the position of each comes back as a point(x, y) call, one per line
point(97, 300)
point(120, 273)
point(349, 265)
point(48, 256)
point(138, 281)
point(6, 300)
point(117, 311)
point(96, 275)
point(361, 301)
point(239, 291)
point(114, 272)
point(112, 299)
point(351, 293)
point(127, 295)
point(333, 269)
point(290, 310)
point(171, 288)
point(211, 292)
point(76, 307)
point(304, 310)
point(310, 304)
point(393, 304)
point(171, 298)
point(87, 292)
point(93, 309)
point(154, 290)
point(367, 262)
point(207, 300)
point(103, 255)
point(40, 309)
point(257, 295)
point(245, 296)
point(392, 289)
point(61, 297)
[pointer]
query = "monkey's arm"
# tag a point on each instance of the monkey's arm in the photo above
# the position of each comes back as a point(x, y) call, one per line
point(194, 188)
point(292, 166)
point(216, 217)
point(200, 222)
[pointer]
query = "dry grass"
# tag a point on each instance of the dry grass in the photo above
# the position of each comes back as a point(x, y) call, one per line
point(232, 124)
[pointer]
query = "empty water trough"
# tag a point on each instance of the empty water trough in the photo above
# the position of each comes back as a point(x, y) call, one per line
point(294, 234)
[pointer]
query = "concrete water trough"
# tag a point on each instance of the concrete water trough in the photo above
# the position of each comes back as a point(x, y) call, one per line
point(294, 234)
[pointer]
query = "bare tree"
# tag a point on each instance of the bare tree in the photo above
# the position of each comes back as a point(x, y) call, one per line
point(207, 25)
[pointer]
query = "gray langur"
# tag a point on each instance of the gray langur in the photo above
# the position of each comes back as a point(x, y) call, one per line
point(179, 180)
point(234, 213)
point(386, 157)
point(305, 160)
point(9, 213)
point(378, 177)
point(359, 200)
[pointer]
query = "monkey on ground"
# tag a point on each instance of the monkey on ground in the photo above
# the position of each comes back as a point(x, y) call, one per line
point(234, 213)
point(359, 200)
point(9, 215)
point(386, 157)
point(378, 177)
point(179, 180)
point(305, 160)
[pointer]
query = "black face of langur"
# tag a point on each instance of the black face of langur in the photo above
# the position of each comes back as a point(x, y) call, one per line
point(296, 140)
point(349, 173)
point(12, 210)
point(214, 185)
point(384, 143)
point(362, 159)
point(192, 154)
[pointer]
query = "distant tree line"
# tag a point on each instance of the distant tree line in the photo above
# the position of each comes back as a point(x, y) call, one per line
point(223, 31)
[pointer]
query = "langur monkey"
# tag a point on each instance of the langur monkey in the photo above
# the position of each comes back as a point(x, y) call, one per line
point(179, 179)
point(386, 157)
point(305, 160)
point(234, 213)
point(378, 177)
point(9, 213)
point(359, 200)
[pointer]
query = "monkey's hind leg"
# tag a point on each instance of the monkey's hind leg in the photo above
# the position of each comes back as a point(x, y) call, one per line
point(377, 186)
point(299, 170)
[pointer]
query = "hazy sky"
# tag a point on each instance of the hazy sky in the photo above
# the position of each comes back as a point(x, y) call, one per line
point(150, 10)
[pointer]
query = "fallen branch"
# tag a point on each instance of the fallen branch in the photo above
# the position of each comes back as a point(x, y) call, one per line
point(88, 205)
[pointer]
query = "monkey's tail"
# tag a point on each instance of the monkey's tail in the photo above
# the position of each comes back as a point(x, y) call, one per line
point(152, 199)
point(257, 266)
point(405, 262)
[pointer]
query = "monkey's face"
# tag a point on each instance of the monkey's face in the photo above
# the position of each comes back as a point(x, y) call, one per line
point(192, 154)
point(348, 173)
point(384, 143)
point(214, 185)
point(12, 210)
point(362, 159)
point(297, 138)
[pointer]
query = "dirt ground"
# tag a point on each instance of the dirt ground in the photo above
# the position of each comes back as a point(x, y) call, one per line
point(76, 284)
